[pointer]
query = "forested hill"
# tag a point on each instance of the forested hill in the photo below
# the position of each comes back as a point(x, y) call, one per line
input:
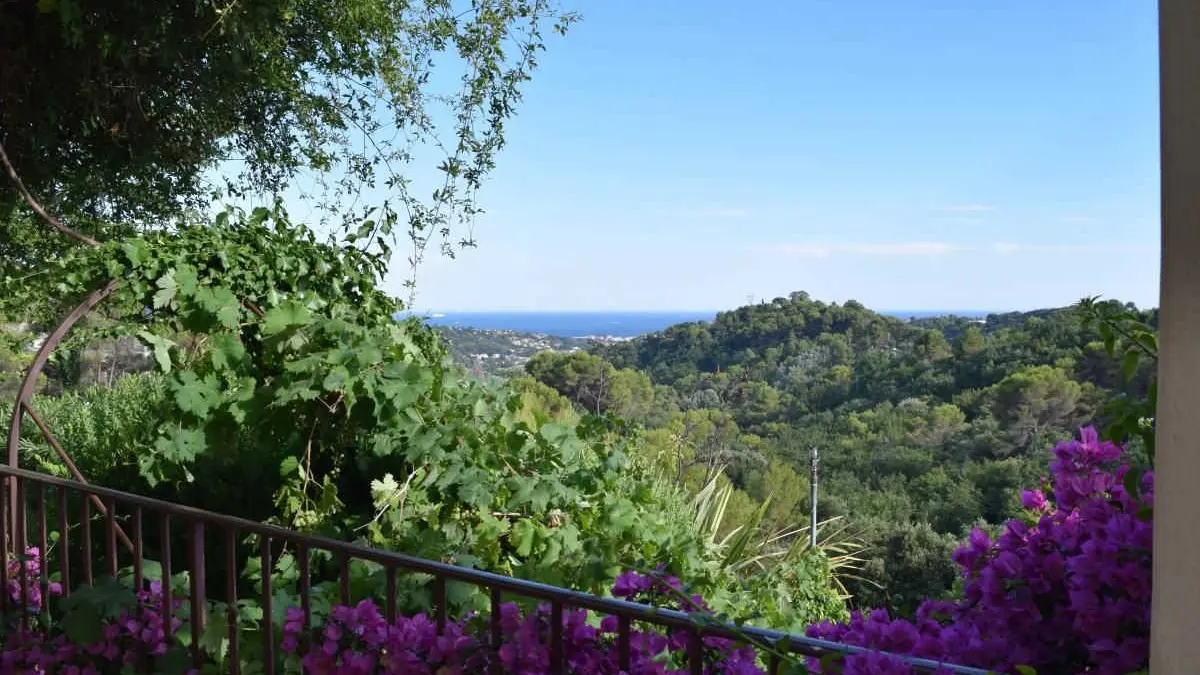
point(926, 427)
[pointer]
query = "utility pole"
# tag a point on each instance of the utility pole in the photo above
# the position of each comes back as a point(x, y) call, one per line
point(812, 496)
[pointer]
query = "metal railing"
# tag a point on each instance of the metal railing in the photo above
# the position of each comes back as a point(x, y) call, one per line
point(31, 493)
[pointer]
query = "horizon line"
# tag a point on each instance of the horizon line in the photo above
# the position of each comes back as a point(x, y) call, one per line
point(697, 311)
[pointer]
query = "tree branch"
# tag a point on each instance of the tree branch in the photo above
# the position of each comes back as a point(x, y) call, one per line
point(37, 208)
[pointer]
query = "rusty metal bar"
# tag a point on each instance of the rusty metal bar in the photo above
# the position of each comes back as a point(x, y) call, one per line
point(72, 468)
point(556, 638)
point(19, 520)
point(390, 603)
point(268, 627)
point(344, 577)
point(199, 605)
point(64, 540)
point(29, 383)
point(231, 566)
point(623, 639)
point(303, 554)
point(22, 547)
point(440, 602)
point(164, 525)
point(85, 516)
point(43, 549)
point(494, 622)
point(695, 653)
point(4, 535)
point(138, 550)
point(110, 537)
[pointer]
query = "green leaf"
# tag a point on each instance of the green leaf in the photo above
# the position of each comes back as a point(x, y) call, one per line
point(1106, 334)
point(336, 379)
point(161, 346)
point(194, 395)
point(1130, 365)
point(553, 551)
point(523, 535)
point(215, 639)
point(83, 625)
point(177, 661)
point(186, 280)
point(1025, 670)
point(477, 494)
point(135, 251)
point(227, 351)
point(167, 289)
point(225, 305)
point(1133, 483)
point(289, 313)
point(288, 466)
point(181, 446)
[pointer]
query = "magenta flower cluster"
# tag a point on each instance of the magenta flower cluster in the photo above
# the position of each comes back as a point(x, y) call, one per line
point(24, 587)
point(1065, 591)
point(131, 639)
point(359, 640)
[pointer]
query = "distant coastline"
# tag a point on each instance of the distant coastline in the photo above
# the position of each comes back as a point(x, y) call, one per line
point(608, 325)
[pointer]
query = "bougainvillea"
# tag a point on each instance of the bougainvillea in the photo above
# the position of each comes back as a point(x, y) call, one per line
point(359, 640)
point(28, 570)
point(1064, 591)
point(131, 638)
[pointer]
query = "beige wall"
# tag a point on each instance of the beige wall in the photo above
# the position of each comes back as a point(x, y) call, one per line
point(1175, 641)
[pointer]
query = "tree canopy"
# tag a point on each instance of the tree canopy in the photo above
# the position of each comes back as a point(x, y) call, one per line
point(125, 114)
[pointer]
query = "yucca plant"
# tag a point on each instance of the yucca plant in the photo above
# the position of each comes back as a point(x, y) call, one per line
point(745, 549)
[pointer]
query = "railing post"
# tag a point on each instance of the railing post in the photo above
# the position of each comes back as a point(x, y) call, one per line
point(199, 603)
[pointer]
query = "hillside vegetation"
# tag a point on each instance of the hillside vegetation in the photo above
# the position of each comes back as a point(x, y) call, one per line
point(925, 428)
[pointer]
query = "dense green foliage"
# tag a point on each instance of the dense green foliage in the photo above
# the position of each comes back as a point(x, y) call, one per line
point(925, 427)
point(126, 115)
point(281, 365)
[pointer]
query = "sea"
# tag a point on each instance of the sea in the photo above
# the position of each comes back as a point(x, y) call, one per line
point(612, 324)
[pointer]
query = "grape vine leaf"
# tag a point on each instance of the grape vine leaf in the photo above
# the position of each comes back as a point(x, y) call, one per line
point(167, 288)
point(161, 346)
point(523, 534)
point(289, 313)
point(195, 395)
point(181, 445)
point(227, 351)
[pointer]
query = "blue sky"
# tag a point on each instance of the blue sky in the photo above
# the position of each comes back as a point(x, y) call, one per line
point(916, 154)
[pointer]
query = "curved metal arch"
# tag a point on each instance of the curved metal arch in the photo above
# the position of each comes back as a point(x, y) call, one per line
point(21, 407)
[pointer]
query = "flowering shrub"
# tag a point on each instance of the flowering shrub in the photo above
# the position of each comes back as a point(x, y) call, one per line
point(1065, 591)
point(358, 640)
point(28, 569)
point(88, 643)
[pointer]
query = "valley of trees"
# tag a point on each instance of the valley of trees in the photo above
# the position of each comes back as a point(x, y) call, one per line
point(925, 428)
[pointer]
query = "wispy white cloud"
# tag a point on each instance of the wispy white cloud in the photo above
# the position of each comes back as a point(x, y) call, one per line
point(938, 248)
point(723, 213)
point(913, 248)
point(716, 212)
point(1006, 248)
point(964, 208)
